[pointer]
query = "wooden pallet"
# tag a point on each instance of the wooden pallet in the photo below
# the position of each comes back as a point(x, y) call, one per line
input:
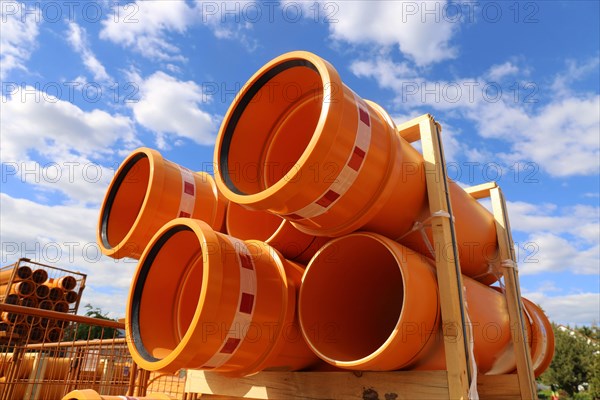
point(455, 382)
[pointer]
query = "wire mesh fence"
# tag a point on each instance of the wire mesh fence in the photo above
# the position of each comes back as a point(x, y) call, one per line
point(31, 284)
point(47, 354)
point(82, 353)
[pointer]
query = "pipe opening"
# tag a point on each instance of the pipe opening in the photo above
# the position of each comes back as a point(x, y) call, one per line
point(351, 298)
point(39, 276)
point(271, 126)
point(124, 200)
point(157, 326)
point(248, 224)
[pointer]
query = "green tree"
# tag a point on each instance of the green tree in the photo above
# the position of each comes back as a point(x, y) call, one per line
point(573, 361)
point(91, 331)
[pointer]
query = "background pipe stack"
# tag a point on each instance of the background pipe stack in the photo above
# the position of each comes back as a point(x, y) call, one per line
point(336, 195)
point(37, 286)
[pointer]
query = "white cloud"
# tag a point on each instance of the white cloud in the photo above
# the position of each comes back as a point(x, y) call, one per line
point(148, 26)
point(559, 238)
point(18, 38)
point(60, 129)
point(145, 26)
point(169, 106)
point(387, 73)
point(545, 252)
point(77, 38)
point(572, 309)
point(580, 221)
point(64, 236)
point(562, 135)
point(74, 141)
point(575, 71)
point(422, 37)
point(497, 72)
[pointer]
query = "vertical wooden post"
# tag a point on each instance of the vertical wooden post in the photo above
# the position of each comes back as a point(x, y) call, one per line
point(454, 328)
point(513, 296)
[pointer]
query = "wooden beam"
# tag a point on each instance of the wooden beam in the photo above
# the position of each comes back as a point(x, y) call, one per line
point(411, 130)
point(513, 296)
point(481, 191)
point(456, 336)
point(342, 385)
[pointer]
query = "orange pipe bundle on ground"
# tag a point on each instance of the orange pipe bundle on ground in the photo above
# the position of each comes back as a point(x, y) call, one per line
point(301, 144)
point(369, 303)
point(277, 232)
point(147, 192)
point(204, 300)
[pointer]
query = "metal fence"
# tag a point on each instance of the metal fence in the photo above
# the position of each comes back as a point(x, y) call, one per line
point(89, 353)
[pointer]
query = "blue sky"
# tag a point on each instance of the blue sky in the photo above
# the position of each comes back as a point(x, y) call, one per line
point(515, 86)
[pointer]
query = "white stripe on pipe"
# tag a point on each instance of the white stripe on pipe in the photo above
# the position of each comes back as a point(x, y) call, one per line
point(244, 311)
point(349, 173)
point(188, 193)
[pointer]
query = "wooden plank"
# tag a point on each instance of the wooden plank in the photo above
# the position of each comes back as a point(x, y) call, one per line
point(481, 191)
point(498, 387)
point(456, 337)
point(513, 296)
point(411, 130)
point(322, 385)
point(343, 385)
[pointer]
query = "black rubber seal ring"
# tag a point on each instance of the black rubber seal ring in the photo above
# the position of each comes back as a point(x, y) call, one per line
point(241, 107)
point(111, 198)
point(139, 289)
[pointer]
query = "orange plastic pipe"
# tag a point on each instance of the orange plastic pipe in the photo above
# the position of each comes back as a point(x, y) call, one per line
point(29, 302)
point(61, 306)
point(42, 291)
point(23, 272)
point(39, 276)
point(201, 299)
point(277, 232)
point(542, 337)
point(71, 296)
point(56, 293)
point(12, 299)
point(369, 303)
point(21, 288)
point(88, 394)
point(46, 305)
point(148, 191)
point(36, 334)
point(67, 282)
point(54, 335)
point(12, 318)
point(299, 143)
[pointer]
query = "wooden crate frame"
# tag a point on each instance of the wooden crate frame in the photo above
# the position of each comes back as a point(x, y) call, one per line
point(455, 381)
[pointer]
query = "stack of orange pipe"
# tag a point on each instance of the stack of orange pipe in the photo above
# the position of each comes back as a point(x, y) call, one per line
point(320, 178)
point(33, 288)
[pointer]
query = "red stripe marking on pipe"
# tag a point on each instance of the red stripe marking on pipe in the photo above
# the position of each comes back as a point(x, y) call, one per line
point(357, 158)
point(230, 345)
point(364, 117)
point(184, 214)
point(247, 303)
point(293, 216)
point(188, 187)
point(328, 198)
point(246, 261)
